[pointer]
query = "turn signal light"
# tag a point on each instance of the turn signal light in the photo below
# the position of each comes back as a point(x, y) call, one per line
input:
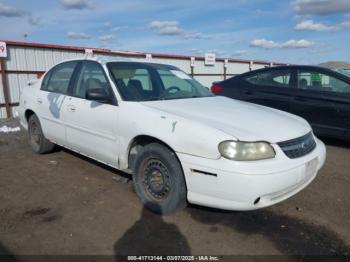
point(216, 89)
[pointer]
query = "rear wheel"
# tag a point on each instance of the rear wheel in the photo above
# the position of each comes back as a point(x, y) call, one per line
point(159, 181)
point(37, 140)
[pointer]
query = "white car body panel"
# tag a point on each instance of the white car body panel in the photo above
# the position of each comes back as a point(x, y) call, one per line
point(91, 128)
point(237, 118)
point(193, 128)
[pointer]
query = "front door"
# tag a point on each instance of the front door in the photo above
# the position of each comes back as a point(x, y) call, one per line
point(324, 100)
point(91, 127)
point(270, 88)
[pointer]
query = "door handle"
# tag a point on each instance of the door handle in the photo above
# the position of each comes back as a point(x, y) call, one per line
point(39, 101)
point(71, 108)
point(247, 92)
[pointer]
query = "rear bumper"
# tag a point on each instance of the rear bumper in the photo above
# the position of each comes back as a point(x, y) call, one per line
point(236, 185)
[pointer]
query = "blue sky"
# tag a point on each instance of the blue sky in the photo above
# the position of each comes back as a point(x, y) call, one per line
point(293, 31)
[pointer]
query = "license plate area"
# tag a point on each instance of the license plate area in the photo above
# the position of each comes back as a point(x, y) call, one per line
point(310, 168)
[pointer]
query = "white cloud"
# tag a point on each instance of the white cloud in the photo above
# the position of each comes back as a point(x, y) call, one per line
point(107, 24)
point(269, 44)
point(75, 4)
point(106, 37)
point(197, 51)
point(202, 52)
point(10, 11)
point(310, 25)
point(320, 7)
point(172, 28)
point(218, 52)
point(75, 35)
point(242, 52)
point(166, 27)
point(118, 28)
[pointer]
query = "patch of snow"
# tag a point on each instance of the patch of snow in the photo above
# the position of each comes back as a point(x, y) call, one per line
point(6, 129)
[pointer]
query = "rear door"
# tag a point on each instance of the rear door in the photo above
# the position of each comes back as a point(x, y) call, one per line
point(324, 100)
point(51, 99)
point(91, 126)
point(268, 87)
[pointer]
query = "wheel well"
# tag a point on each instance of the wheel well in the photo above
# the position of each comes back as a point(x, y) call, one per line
point(137, 144)
point(28, 114)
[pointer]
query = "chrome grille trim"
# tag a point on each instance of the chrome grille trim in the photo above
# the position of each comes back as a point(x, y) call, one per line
point(298, 147)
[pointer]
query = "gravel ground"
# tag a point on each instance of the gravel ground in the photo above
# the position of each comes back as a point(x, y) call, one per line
point(62, 203)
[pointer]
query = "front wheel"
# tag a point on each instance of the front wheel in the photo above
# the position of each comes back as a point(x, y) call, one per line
point(159, 181)
point(37, 140)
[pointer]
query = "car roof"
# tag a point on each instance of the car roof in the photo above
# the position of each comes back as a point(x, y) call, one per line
point(291, 67)
point(108, 59)
point(299, 66)
point(305, 67)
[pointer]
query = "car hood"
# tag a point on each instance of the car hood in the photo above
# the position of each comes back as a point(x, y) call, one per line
point(242, 120)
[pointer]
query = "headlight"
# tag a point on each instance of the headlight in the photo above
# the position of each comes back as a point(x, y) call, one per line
point(245, 151)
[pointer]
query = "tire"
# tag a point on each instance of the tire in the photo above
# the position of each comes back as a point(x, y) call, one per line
point(36, 138)
point(159, 181)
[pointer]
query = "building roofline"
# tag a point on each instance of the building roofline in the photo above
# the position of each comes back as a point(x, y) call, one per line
point(130, 53)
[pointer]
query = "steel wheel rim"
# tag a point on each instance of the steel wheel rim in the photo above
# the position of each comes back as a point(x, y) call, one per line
point(156, 179)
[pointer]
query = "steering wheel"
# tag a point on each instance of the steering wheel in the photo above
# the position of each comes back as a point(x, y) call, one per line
point(167, 91)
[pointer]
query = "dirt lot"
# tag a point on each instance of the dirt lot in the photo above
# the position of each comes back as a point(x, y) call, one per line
point(62, 203)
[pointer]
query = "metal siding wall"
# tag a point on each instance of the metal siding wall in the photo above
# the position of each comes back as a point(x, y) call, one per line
point(2, 112)
point(16, 59)
point(237, 68)
point(201, 68)
point(37, 59)
point(254, 67)
point(208, 80)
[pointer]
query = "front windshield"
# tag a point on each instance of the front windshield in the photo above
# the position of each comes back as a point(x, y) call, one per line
point(146, 82)
point(341, 71)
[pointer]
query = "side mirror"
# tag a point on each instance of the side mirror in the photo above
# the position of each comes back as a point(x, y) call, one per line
point(98, 94)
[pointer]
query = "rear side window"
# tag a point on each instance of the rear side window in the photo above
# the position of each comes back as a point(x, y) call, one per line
point(57, 80)
point(312, 80)
point(275, 78)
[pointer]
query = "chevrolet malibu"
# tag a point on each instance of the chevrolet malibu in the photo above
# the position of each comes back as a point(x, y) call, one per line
point(180, 143)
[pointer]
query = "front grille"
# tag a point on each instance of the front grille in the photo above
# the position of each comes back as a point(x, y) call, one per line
point(298, 147)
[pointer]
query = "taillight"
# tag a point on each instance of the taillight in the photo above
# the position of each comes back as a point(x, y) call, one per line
point(216, 89)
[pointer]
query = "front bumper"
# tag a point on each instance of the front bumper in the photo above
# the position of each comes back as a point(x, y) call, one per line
point(235, 185)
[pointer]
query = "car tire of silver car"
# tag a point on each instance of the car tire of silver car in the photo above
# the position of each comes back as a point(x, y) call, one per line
point(37, 140)
point(158, 180)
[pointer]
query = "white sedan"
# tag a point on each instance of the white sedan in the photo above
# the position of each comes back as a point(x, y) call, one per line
point(180, 143)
